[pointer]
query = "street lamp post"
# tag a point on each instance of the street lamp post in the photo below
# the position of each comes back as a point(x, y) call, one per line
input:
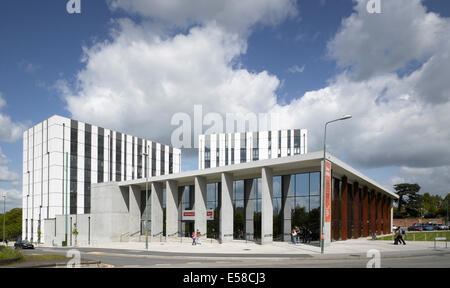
point(322, 220)
point(67, 174)
point(4, 216)
point(448, 199)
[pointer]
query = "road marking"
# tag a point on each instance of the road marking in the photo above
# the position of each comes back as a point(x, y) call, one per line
point(96, 253)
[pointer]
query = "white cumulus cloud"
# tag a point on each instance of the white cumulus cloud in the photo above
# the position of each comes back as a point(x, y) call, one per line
point(235, 15)
point(136, 81)
point(10, 131)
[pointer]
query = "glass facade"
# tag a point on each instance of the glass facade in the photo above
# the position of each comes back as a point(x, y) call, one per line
point(239, 211)
point(213, 191)
point(277, 212)
point(73, 166)
point(305, 205)
point(87, 168)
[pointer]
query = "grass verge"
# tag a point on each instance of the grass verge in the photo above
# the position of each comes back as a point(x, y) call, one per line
point(420, 236)
point(8, 253)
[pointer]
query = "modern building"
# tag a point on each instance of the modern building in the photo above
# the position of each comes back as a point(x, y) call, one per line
point(257, 201)
point(217, 150)
point(63, 158)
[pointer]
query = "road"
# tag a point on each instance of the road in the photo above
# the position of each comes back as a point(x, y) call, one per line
point(138, 259)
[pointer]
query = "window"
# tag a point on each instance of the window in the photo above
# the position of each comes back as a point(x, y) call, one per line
point(139, 158)
point(73, 166)
point(213, 203)
point(239, 211)
point(118, 156)
point(100, 155)
point(305, 203)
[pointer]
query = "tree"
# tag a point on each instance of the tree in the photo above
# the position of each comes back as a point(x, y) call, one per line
point(409, 201)
point(75, 232)
point(13, 224)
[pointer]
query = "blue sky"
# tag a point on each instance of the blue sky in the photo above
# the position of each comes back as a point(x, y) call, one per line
point(42, 45)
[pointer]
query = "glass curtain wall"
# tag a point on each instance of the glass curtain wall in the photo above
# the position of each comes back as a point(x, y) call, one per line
point(257, 212)
point(213, 191)
point(239, 210)
point(277, 213)
point(305, 206)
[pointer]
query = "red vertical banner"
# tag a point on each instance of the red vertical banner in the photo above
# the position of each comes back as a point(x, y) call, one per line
point(327, 192)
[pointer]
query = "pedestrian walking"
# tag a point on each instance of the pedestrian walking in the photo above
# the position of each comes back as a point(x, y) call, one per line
point(396, 237)
point(194, 236)
point(197, 239)
point(308, 236)
point(400, 236)
point(294, 236)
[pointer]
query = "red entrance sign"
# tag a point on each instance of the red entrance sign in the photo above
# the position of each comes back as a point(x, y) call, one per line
point(327, 192)
point(189, 215)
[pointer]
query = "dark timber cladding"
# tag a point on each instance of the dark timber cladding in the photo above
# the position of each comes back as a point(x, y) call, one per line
point(110, 148)
point(153, 146)
point(139, 158)
point(87, 168)
point(118, 156)
point(170, 160)
point(162, 162)
point(73, 165)
point(100, 154)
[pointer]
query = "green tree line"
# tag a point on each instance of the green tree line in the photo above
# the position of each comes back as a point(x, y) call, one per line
point(13, 223)
point(411, 204)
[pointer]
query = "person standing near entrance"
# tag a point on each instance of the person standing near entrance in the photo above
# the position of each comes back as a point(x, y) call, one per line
point(294, 236)
point(297, 230)
point(197, 239)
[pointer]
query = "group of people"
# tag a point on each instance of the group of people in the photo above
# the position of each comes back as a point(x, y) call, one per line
point(301, 233)
point(196, 238)
point(398, 236)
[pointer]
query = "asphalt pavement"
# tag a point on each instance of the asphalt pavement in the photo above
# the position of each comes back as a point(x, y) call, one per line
point(238, 255)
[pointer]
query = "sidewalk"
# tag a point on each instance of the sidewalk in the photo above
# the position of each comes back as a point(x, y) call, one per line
point(340, 249)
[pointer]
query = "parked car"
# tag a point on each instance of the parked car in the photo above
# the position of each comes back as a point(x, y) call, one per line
point(23, 244)
point(416, 227)
point(428, 227)
point(442, 227)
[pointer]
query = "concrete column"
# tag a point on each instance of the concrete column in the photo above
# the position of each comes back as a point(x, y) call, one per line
point(172, 209)
point(134, 218)
point(379, 213)
point(226, 210)
point(373, 208)
point(266, 206)
point(200, 205)
point(356, 211)
point(287, 188)
point(249, 206)
point(156, 214)
point(336, 213)
point(344, 211)
point(365, 212)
